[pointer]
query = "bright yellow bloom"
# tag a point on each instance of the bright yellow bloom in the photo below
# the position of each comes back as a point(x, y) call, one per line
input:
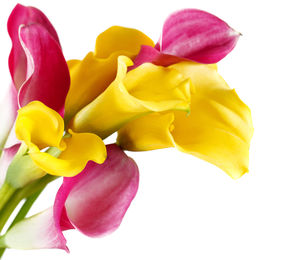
point(146, 89)
point(40, 127)
point(218, 129)
point(91, 76)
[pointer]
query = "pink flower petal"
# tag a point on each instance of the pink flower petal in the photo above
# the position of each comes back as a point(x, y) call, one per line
point(151, 55)
point(48, 76)
point(97, 199)
point(36, 232)
point(22, 15)
point(94, 202)
point(6, 158)
point(198, 36)
point(37, 66)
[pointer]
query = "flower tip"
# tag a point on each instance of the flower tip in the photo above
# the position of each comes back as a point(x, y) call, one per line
point(66, 249)
point(235, 33)
point(125, 60)
point(238, 175)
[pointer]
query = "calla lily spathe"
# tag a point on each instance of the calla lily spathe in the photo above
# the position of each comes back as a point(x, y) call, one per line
point(197, 35)
point(105, 193)
point(92, 75)
point(190, 34)
point(37, 65)
point(146, 89)
point(218, 129)
point(40, 127)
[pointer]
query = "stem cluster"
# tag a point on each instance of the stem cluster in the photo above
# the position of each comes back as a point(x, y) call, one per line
point(10, 198)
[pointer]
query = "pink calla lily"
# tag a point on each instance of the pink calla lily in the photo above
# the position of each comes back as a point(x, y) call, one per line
point(37, 65)
point(94, 202)
point(36, 62)
point(48, 75)
point(22, 15)
point(193, 35)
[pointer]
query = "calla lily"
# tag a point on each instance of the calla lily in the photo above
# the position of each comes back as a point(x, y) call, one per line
point(20, 16)
point(191, 34)
point(37, 65)
point(146, 89)
point(218, 129)
point(94, 202)
point(40, 127)
point(91, 76)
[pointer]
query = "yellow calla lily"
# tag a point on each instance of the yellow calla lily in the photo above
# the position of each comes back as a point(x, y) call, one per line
point(218, 129)
point(91, 76)
point(39, 127)
point(148, 88)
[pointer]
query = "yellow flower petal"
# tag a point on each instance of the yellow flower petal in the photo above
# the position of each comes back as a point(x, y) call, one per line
point(118, 38)
point(81, 148)
point(218, 129)
point(146, 89)
point(147, 132)
point(91, 76)
point(39, 126)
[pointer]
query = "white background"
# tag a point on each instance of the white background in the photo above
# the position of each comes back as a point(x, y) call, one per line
point(186, 208)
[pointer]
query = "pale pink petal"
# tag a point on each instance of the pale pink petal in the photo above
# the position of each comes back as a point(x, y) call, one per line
point(48, 75)
point(36, 232)
point(97, 199)
point(23, 15)
point(197, 35)
point(12, 138)
point(6, 158)
point(8, 113)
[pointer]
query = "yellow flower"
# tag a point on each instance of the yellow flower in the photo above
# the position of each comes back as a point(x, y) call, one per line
point(146, 89)
point(40, 127)
point(91, 76)
point(218, 128)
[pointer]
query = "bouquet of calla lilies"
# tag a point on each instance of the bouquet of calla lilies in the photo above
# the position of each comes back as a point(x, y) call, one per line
point(57, 114)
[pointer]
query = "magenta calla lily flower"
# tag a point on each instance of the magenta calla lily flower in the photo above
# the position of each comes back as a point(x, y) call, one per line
point(94, 202)
point(22, 15)
point(38, 68)
point(193, 35)
point(48, 75)
point(37, 65)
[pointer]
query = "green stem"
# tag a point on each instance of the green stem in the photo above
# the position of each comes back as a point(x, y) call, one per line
point(9, 208)
point(6, 192)
point(20, 194)
point(21, 215)
point(25, 208)
point(2, 244)
point(2, 250)
point(31, 192)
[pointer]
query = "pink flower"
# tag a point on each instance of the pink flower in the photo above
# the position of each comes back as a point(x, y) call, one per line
point(190, 34)
point(37, 65)
point(94, 202)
